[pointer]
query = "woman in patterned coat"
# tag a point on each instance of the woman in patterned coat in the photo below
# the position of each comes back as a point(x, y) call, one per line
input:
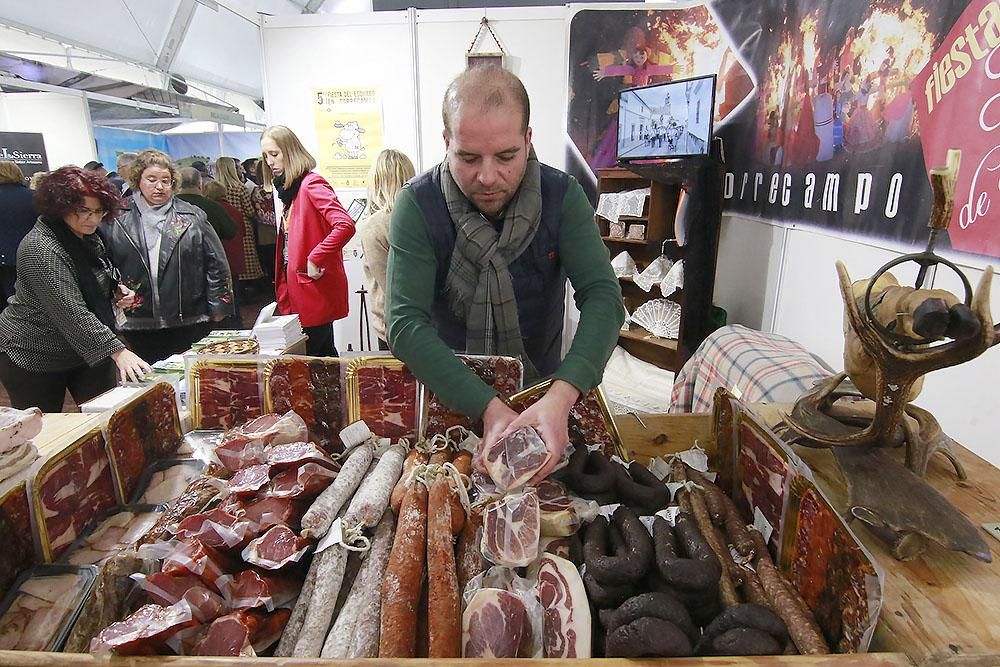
point(227, 173)
point(58, 331)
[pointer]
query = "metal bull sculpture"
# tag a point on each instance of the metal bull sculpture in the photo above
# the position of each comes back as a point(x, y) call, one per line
point(894, 336)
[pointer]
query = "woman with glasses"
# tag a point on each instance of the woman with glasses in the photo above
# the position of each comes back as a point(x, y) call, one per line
point(57, 331)
point(172, 258)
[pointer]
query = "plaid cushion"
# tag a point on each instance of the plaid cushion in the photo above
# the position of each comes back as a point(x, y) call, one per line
point(759, 367)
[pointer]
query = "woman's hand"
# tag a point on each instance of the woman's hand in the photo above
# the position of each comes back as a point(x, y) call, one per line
point(313, 271)
point(124, 297)
point(131, 367)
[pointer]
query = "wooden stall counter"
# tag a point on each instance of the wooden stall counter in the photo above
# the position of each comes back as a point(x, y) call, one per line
point(940, 609)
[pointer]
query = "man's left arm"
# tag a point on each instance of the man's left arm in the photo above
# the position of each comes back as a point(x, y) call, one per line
point(598, 296)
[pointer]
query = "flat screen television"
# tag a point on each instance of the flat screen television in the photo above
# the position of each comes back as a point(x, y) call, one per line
point(666, 120)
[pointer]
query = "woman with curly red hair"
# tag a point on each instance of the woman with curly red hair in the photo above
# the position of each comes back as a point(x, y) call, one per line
point(57, 331)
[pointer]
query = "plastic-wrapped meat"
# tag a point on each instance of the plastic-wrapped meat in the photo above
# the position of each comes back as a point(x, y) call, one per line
point(504, 374)
point(166, 485)
point(567, 611)
point(238, 453)
point(276, 548)
point(313, 388)
point(562, 513)
point(114, 534)
point(511, 530)
point(216, 528)
point(145, 430)
point(166, 589)
point(145, 631)
point(19, 458)
point(251, 588)
point(196, 496)
point(248, 481)
point(495, 624)
point(305, 481)
point(18, 426)
point(388, 400)
point(587, 422)
point(291, 454)
point(272, 429)
point(193, 557)
point(74, 490)
point(268, 512)
point(764, 478)
point(18, 553)
point(245, 633)
point(227, 394)
point(39, 612)
point(205, 605)
point(512, 461)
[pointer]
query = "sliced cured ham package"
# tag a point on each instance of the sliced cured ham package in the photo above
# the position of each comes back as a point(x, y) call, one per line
point(562, 513)
point(313, 388)
point(42, 607)
point(562, 595)
point(503, 617)
point(511, 530)
point(513, 460)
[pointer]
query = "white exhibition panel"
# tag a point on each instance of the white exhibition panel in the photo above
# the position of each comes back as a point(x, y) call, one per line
point(535, 39)
point(63, 119)
point(748, 271)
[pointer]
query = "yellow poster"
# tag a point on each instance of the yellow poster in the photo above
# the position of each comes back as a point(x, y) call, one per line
point(349, 130)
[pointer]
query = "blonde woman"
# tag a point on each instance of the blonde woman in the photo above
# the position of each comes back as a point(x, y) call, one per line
point(228, 174)
point(387, 176)
point(313, 227)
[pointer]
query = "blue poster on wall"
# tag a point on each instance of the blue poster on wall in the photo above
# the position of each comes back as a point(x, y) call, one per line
point(111, 142)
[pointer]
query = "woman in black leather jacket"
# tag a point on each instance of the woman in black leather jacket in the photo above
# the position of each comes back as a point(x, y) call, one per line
point(164, 241)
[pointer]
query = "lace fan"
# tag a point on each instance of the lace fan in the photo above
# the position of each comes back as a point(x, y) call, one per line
point(660, 317)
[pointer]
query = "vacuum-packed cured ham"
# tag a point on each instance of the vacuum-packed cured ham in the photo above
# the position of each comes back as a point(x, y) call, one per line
point(216, 528)
point(495, 624)
point(511, 530)
point(387, 400)
point(114, 534)
point(567, 627)
point(201, 560)
point(249, 480)
point(561, 513)
point(244, 633)
point(294, 454)
point(276, 548)
point(196, 496)
point(303, 481)
point(248, 443)
point(40, 611)
point(251, 588)
point(314, 389)
point(268, 511)
point(513, 460)
point(145, 430)
point(145, 631)
point(72, 491)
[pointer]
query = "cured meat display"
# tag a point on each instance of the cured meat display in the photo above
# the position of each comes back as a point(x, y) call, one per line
point(567, 611)
point(561, 513)
point(513, 460)
point(116, 532)
point(70, 491)
point(313, 388)
point(304, 481)
point(495, 624)
point(504, 374)
point(245, 633)
point(590, 421)
point(248, 444)
point(225, 393)
point(39, 617)
point(216, 528)
point(830, 569)
point(167, 480)
point(144, 430)
point(763, 477)
point(295, 454)
point(383, 393)
point(18, 553)
point(196, 496)
point(511, 530)
point(145, 631)
point(251, 588)
point(276, 548)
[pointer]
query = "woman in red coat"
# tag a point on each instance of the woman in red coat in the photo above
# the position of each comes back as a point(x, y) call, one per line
point(313, 228)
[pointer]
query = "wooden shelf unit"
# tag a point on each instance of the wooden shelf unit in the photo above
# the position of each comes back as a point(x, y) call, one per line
point(703, 178)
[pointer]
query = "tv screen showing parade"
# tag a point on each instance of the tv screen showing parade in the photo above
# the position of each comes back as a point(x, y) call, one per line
point(666, 120)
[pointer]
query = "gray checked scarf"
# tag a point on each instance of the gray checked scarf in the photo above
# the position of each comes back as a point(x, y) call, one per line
point(478, 286)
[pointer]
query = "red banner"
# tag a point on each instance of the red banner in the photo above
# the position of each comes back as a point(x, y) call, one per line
point(958, 105)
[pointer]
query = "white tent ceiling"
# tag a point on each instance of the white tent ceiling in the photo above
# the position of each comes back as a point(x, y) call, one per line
point(213, 41)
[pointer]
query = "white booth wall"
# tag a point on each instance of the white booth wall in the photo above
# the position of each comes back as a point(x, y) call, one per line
point(64, 120)
point(770, 276)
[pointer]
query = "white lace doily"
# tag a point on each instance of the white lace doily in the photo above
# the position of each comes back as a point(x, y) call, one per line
point(613, 205)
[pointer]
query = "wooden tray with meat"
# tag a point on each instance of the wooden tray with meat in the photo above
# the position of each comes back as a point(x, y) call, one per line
point(70, 491)
point(142, 431)
point(314, 389)
point(225, 392)
point(505, 374)
point(18, 553)
point(590, 419)
point(384, 393)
